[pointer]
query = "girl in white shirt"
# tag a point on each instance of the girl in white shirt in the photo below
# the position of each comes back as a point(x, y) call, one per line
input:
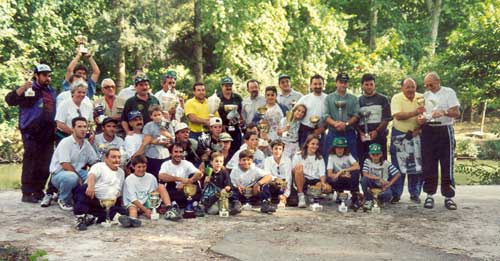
point(289, 130)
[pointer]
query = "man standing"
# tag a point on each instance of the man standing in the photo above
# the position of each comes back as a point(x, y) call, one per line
point(314, 103)
point(140, 102)
point(253, 102)
point(69, 162)
point(80, 69)
point(230, 118)
point(37, 101)
point(168, 84)
point(288, 97)
point(196, 110)
point(378, 108)
point(341, 112)
point(405, 140)
point(438, 140)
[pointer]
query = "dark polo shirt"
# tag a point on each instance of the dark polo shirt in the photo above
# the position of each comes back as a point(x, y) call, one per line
point(135, 103)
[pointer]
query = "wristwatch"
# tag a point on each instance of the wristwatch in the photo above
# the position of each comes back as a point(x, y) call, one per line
point(347, 124)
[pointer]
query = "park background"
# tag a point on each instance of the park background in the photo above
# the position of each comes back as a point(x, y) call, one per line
point(205, 40)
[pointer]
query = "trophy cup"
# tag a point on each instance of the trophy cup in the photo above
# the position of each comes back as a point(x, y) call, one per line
point(232, 115)
point(261, 111)
point(213, 104)
point(107, 204)
point(281, 185)
point(345, 174)
point(314, 120)
point(224, 202)
point(288, 117)
point(428, 103)
point(189, 191)
point(168, 102)
point(247, 193)
point(375, 192)
point(315, 192)
point(364, 115)
point(28, 76)
point(154, 202)
point(343, 208)
point(82, 40)
point(341, 105)
point(99, 113)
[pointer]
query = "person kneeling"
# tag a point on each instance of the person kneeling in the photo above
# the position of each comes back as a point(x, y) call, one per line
point(377, 174)
point(219, 179)
point(281, 168)
point(246, 176)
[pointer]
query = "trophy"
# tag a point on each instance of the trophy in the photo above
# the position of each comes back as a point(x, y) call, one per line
point(315, 192)
point(343, 197)
point(261, 111)
point(375, 192)
point(232, 116)
point(288, 117)
point(154, 202)
point(341, 105)
point(281, 185)
point(28, 76)
point(364, 115)
point(168, 102)
point(345, 174)
point(107, 204)
point(213, 104)
point(428, 103)
point(189, 191)
point(247, 193)
point(314, 120)
point(82, 40)
point(99, 113)
point(224, 202)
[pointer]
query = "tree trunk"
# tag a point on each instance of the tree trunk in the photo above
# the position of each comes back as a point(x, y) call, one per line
point(483, 117)
point(138, 61)
point(198, 44)
point(471, 111)
point(434, 7)
point(120, 70)
point(373, 23)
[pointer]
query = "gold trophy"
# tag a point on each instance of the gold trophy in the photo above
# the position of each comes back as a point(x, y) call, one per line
point(189, 190)
point(224, 202)
point(364, 115)
point(375, 192)
point(82, 41)
point(341, 105)
point(315, 192)
point(263, 124)
point(28, 76)
point(281, 185)
point(288, 117)
point(107, 204)
point(314, 120)
point(154, 202)
point(247, 193)
point(343, 208)
point(345, 173)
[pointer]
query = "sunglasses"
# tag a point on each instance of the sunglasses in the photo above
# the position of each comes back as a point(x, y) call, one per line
point(108, 87)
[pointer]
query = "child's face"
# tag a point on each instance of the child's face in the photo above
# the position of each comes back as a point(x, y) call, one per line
point(277, 151)
point(252, 142)
point(218, 162)
point(339, 151)
point(299, 113)
point(140, 169)
point(156, 116)
point(245, 163)
point(376, 157)
point(313, 146)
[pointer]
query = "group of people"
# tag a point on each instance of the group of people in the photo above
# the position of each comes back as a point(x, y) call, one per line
point(128, 146)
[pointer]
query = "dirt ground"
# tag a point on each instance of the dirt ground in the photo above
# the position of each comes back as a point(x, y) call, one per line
point(401, 231)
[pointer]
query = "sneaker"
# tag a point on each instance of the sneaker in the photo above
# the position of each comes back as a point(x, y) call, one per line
point(354, 204)
point(126, 221)
point(415, 199)
point(135, 222)
point(64, 205)
point(29, 198)
point(267, 207)
point(81, 223)
point(47, 199)
point(173, 214)
point(302, 201)
point(395, 199)
point(368, 205)
point(235, 207)
point(199, 209)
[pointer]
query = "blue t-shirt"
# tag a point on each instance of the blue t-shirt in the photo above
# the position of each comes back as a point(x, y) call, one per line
point(90, 91)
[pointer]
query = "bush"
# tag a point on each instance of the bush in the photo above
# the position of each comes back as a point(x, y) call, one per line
point(490, 150)
point(480, 173)
point(11, 144)
point(466, 148)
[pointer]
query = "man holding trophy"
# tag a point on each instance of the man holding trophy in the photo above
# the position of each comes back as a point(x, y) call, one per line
point(230, 111)
point(168, 92)
point(198, 112)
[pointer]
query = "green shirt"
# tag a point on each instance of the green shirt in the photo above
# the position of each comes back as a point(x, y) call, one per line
point(350, 109)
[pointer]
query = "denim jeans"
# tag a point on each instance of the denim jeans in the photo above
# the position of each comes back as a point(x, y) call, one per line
point(66, 181)
point(265, 193)
point(367, 183)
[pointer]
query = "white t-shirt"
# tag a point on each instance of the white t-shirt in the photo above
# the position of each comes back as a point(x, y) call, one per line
point(258, 158)
point(69, 151)
point(101, 145)
point(383, 170)
point(313, 168)
point(66, 95)
point(315, 107)
point(337, 163)
point(108, 183)
point(68, 110)
point(132, 143)
point(282, 170)
point(138, 188)
point(179, 111)
point(443, 99)
point(246, 178)
point(127, 93)
point(183, 170)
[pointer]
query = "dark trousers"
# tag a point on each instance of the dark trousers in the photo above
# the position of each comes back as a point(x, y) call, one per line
point(178, 195)
point(236, 143)
point(341, 184)
point(36, 160)
point(363, 147)
point(265, 193)
point(438, 146)
point(86, 205)
point(154, 166)
point(304, 131)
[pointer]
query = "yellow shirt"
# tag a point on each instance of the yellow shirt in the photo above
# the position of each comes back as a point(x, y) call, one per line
point(193, 106)
point(400, 103)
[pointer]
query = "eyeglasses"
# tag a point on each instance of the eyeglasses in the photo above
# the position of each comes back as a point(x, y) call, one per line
point(108, 87)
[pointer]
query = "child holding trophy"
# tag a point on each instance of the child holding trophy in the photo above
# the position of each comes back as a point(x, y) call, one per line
point(136, 194)
point(218, 177)
point(343, 171)
point(377, 174)
point(289, 129)
point(280, 167)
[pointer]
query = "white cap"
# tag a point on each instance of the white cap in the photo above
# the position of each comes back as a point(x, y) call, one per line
point(215, 121)
point(180, 126)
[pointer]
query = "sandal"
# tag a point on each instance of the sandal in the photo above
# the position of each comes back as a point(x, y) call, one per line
point(429, 203)
point(450, 204)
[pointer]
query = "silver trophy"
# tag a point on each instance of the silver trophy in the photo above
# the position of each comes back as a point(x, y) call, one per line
point(213, 104)
point(154, 203)
point(82, 40)
point(341, 105)
point(315, 192)
point(343, 197)
point(247, 193)
point(365, 114)
point(28, 76)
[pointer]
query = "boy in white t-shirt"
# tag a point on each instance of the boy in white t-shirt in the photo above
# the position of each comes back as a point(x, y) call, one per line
point(377, 174)
point(138, 188)
point(280, 168)
point(248, 175)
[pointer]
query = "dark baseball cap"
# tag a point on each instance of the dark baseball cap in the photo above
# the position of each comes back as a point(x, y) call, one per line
point(283, 76)
point(134, 114)
point(342, 77)
point(226, 80)
point(141, 78)
point(108, 120)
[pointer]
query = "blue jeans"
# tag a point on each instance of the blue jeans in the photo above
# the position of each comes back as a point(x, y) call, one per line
point(66, 181)
point(265, 193)
point(367, 183)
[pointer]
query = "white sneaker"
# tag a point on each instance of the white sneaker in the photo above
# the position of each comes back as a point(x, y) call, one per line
point(47, 199)
point(302, 201)
point(64, 205)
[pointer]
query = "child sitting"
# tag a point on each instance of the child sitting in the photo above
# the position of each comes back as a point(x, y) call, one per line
point(343, 171)
point(219, 177)
point(377, 174)
point(281, 169)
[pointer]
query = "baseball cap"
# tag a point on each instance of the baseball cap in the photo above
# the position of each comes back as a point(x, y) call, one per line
point(180, 126)
point(141, 78)
point(342, 76)
point(375, 148)
point(134, 114)
point(226, 80)
point(39, 68)
point(170, 74)
point(283, 76)
point(225, 137)
point(108, 120)
point(340, 142)
point(215, 121)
